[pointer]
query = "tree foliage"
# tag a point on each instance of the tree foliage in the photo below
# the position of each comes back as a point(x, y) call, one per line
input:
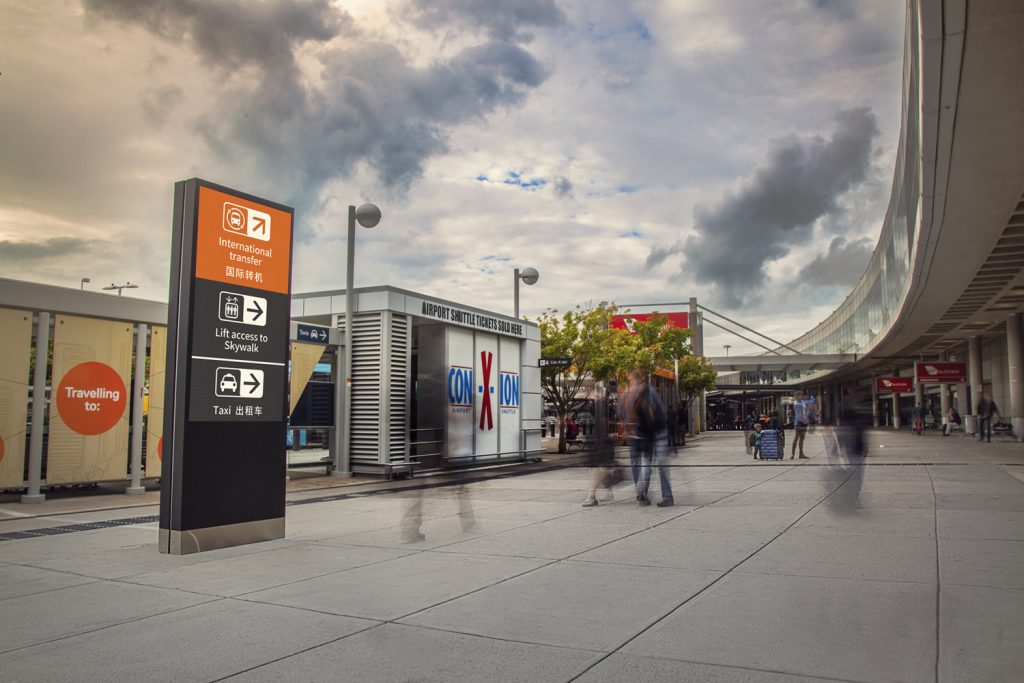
point(655, 345)
point(696, 375)
point(595, 351)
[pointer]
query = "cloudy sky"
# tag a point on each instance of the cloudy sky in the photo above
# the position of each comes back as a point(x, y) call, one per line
point(740, 152)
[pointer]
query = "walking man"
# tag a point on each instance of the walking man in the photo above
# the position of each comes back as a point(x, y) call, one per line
point(986, 409)
point(801, 420)
point(646, 426)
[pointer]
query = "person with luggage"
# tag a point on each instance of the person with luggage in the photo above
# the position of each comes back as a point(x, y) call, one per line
point(755, 440)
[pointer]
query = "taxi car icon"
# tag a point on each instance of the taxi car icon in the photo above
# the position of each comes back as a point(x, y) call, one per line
point(228, 384)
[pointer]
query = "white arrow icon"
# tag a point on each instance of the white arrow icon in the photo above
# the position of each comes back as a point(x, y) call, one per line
point(253, 383)
point(255, 309)
point(259, 226)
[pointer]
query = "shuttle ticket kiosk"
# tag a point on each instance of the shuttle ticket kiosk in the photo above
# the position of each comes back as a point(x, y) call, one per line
point(434, 382)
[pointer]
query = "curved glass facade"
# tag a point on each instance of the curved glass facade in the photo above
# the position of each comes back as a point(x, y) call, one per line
point(870, 309)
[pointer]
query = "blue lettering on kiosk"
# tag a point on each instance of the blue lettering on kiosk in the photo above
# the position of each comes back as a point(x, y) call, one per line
point(509, 390)
point(460, 386)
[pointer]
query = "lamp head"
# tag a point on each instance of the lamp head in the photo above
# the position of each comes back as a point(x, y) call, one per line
point(529, 275)
point(368, 215)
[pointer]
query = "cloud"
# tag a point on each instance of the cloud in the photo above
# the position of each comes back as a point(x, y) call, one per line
point(658, 255)
point(158, 103)
point(370, 105)
point(841, 266)
point(57, 247)
point(504, 20)
point(799, 183)
point(562, 187)
point(232, 34)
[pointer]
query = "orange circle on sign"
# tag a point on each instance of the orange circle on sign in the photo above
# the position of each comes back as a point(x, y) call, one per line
point(91, 398)
point(160, 449)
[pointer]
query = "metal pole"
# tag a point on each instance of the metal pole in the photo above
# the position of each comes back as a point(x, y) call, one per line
point(35, 452)
point(943, 404)
point(975, 379)
point(337, 435)
point(874, 401)
point(138, 387)
point(1015, 370)
point(515, 296)
point(343, 465)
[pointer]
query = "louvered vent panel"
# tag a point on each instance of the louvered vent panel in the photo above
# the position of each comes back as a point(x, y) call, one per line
point(366, 388)
point(398, 396)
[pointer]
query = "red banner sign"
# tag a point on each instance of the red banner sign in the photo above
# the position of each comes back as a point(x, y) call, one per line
point(900, 385)
point(940, 372)
point(625, 322)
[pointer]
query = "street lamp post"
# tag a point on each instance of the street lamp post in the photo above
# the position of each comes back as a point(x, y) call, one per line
point(367, 215)
point(727, 347)
point(527, 275)
point(127, 285)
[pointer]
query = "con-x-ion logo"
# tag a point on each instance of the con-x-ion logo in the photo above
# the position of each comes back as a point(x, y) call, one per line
point(508, 392)
point(486, 412)
point(460, 389)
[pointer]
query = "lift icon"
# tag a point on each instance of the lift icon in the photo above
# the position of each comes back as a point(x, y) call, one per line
point(242, 308)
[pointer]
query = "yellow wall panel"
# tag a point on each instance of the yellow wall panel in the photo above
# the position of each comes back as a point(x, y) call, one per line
point(304, 359)
point(89, 400)
point(15, 352)
point(155, 420)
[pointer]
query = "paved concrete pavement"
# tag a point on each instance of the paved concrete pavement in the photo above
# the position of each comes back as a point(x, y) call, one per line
point(906, 567)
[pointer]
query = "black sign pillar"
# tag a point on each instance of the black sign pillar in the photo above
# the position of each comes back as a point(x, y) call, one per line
point(223, 470)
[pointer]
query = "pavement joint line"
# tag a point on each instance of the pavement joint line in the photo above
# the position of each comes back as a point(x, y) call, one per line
point(66, 636)
point(243, 596)
point(308, 649)
point(557, 560)
point(938, 578)
point(816, 677)
point(724, 574)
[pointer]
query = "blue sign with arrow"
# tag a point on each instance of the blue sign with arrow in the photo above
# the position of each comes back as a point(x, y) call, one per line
point(313, 333)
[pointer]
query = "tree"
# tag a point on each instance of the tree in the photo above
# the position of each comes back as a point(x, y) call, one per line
point(595, 351)
point(655, 344)
point(696, 375)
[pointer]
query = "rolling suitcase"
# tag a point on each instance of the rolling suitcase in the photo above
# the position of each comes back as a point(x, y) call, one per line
point(770, 447)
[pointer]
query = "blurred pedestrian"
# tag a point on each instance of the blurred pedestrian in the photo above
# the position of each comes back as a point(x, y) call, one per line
point(952, 421)
point(801, 421)
point(672, 417)
point(646, 428)
point(986, 410)
point(916, 420)
point(627, 409)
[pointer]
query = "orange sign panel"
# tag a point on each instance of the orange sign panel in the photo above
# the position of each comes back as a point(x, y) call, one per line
point(242, 242)
point(91, 398)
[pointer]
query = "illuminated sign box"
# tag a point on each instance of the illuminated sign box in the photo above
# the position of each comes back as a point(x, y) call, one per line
point(940, 372)
point(225, 412)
